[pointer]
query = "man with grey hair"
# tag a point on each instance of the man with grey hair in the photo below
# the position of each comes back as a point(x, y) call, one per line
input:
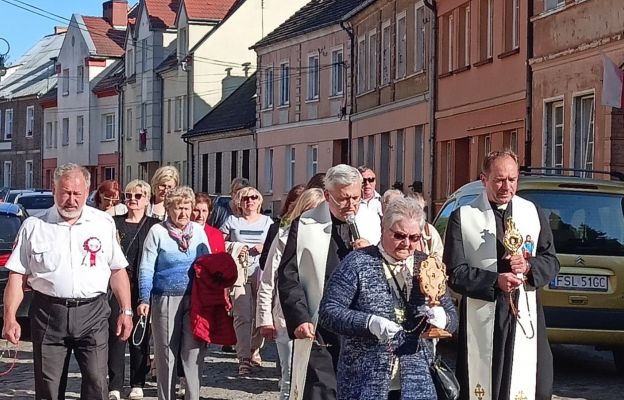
point(317, 242)
point(68, 256)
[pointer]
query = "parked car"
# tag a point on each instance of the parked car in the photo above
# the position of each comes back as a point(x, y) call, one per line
point(584, 304)
point(35, 203)
point(13, 193)
point(11, 218)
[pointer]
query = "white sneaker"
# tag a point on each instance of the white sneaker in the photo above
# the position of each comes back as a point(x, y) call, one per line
point(182, 389)
point(114, 395)
point(136, 393)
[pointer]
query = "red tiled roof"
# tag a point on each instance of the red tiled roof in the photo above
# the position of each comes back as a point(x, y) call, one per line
point(208, 9)
point(108, 41)
point(162, 13)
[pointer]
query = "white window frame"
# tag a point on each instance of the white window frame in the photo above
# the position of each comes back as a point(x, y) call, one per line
point(80, 129)
point(144, 116)
point(268, 170)
point(401, 46)
point(291, 161)
point(268, 91)
point(80, 79)
point(108, 121)
point(130, 62)
point(515, 18)
point(312, 160)
point(337, 71)
point(419, 33)
point(361, 65)
point(580, 96)
point(8, 173)
point(373, 56)
point(28, 174)
point(314, 77)
point(552, 104)
point(144, 55)
point(65, 82)
point(109, 173)
point(55, 134)
point(65, 133)
point(129, 123)
point(451, 23)
point(48, 135)
point(490, 28)
point(8, 124)
point(182, 42)
point(178, 112)
point(553, 4)
point(386, 52)
point(30, 121)
point(284, 83)
point(467, 37)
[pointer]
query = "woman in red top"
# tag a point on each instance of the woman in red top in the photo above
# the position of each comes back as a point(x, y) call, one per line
point(203, 206)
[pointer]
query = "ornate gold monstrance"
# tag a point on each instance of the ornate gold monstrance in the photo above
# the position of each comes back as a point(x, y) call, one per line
point(512, 240)
point(432, 279)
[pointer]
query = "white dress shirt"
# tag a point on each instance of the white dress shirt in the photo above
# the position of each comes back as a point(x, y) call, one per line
point(53, 253)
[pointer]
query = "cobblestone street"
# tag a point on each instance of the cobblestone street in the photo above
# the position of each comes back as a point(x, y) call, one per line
point(581, 373)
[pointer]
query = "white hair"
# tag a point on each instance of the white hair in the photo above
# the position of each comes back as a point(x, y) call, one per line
point(388, 194)
point(403, 208)
point(341, 175)
point(65, 169)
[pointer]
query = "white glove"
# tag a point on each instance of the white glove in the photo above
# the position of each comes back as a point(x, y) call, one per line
point(383, 328)
point(436, 316)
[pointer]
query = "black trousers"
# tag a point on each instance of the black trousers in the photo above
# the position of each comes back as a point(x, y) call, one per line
point(139, 354)
point(320, 381)
point(57, 330)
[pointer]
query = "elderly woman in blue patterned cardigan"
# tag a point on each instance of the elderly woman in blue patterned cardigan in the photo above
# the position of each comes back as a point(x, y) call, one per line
point(374, 301)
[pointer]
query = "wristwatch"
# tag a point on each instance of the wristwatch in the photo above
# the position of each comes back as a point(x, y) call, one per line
point(126, 311)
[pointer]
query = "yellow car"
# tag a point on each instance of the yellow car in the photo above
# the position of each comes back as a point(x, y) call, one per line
point(584, 304)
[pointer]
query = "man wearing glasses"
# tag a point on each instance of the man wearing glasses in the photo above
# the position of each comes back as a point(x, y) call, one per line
point(317, 242)
point(369, 215)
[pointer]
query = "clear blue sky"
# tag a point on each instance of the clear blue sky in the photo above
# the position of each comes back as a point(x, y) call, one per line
point(23, 28)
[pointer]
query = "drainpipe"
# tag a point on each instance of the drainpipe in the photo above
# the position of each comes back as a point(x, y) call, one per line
point(121, 138)
point(433, 98)
point(529, 88)
point(190, 150)
point(349, 31)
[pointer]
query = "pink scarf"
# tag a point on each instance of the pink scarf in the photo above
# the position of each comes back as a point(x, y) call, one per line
point(181, 236)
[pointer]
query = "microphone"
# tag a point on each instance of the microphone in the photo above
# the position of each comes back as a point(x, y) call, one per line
point(355, 233)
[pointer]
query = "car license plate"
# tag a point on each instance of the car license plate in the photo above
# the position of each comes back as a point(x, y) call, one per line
point(593, 283)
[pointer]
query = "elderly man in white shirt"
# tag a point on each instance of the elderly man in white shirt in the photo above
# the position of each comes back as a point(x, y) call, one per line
point(368, 217)
point(68, 256)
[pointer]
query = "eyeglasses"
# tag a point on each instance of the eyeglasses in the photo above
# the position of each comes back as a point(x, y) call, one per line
point(137, 196)
point(165, 187)
point(346, 201)
point(247, 198)
point(400, 236)
point(111, 199)
point(369, 180)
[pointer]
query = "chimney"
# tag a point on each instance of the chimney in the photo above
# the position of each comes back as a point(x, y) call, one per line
point(246, 67)
point(116, 13)
point(60, 29)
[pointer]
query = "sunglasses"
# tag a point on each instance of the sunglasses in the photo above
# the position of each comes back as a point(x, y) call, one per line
point(137, 196)
point(252, 197)
point(399, 236)
point(369, 180)
point(111, 199)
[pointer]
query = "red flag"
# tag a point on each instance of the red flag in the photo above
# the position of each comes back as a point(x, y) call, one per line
point(612, 83)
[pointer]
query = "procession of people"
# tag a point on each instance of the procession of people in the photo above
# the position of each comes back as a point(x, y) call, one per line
point(349, 283)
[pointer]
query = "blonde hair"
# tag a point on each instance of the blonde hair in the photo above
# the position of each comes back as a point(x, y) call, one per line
point(165, 173)
point(246, 191)
point(179, 194)
point(309, 199)
point(140, 184)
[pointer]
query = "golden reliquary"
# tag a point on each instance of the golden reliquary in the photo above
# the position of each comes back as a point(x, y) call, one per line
point(432, 279)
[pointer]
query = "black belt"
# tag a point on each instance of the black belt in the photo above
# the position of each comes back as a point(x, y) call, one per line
point(68, 302)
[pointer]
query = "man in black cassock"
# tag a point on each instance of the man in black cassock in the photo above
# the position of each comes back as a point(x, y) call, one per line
point(317, 242)
point(482, 271)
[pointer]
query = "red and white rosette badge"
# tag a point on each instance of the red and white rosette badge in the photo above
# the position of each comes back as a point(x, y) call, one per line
point(92, 245)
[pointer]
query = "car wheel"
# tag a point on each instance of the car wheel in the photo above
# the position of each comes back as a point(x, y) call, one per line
point(618, 358)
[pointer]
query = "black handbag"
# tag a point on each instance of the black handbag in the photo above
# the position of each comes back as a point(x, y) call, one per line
point(444, 380)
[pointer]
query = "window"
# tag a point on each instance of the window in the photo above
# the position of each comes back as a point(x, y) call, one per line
point(485, 29)
point(8, 124)
point(384, 173)
point(55, 141)
point(178, 113)
point(29, 174)
point(234, 164)
point(130, 62)
point(337, 83)
point(284, 84)
point(108, 123)
point(80, 79)
point(401, 46)
point(30, 120)
point(290, 165)
point(246, 156)
point(313, 77)
point(128, 176)
point(109, 173)
point(183, 43)
point(184, 112)
point(419, 50)
point(515, 40)
point(80, 129)
point(370, 159)
point(268, 170)
point(361, 63)
point(144, 116)
point(268, 87)
point(510, 140)
point(511, 25)
point(385, 53)
point(448, 153)
point(129, 123)
point(144, 55)
point(464, 37)
point(583, 139)
point(552, 4)
point(360, 151)
point(449, 35)
point(487, 144)
point(419, 153)
point(169, 115)
point(372, 60)
point(400, 155)
point(8, 173)
point(312, 160)
point(218, 171)
point(65, 138)
point(66, 82)
point(48, 135)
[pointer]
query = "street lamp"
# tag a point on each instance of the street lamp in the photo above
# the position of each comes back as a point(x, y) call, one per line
point(3, 68)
